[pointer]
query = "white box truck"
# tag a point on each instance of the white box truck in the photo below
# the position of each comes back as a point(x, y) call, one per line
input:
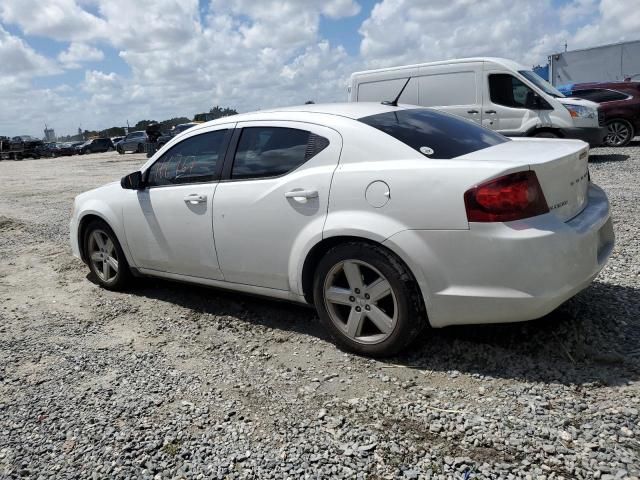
point(495, 92)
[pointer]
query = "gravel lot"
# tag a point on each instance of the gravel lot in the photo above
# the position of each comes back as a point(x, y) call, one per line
point(178, 381)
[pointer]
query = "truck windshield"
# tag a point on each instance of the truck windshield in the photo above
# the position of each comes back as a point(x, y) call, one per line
point(434, 134)
point(541, 83)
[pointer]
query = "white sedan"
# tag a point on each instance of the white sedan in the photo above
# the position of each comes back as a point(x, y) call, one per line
point(387, 218)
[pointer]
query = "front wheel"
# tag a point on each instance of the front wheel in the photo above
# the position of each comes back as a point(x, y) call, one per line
point(546, 134)
point(120, 150)
point(140, 148)
point(620, 133)
point(368, 300)
point(105, 257)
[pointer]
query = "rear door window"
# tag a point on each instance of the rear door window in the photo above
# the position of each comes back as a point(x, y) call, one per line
point(273, 151)
point(434, 134)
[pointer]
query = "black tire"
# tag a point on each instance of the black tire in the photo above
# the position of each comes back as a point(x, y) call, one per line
point(411, 315)
point(123, 276)
point(620, 133)
point(546, 134)
point(140, 148)
point(120, 150)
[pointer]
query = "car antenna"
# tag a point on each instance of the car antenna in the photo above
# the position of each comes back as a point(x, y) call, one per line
point(394, 103)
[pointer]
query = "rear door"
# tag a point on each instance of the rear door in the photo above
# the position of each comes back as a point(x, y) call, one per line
point(453, 88)
point(275, 190)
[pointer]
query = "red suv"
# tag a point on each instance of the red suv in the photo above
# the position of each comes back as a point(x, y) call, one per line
point(620, 103)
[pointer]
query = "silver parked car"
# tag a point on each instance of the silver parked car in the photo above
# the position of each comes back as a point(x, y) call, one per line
point(133, 142)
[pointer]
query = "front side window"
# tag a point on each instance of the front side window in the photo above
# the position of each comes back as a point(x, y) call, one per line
point(507, 90)
point(273, 151)
point(434, 134)
point(192, 160)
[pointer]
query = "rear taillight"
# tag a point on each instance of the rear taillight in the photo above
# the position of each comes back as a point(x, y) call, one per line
point(504, 199)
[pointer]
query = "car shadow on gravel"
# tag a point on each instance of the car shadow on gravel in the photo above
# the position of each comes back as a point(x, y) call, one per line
point(593, 338)
point(609, 158)
point(268, 312)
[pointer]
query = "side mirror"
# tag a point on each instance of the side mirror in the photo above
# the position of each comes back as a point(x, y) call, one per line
point(133, 181)
point(540, 103)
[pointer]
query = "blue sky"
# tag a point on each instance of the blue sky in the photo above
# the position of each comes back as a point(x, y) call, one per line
point(86, 63)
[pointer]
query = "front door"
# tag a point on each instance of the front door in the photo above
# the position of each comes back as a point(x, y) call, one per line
point(508, 104)
point(274, 193)
point(168, 225)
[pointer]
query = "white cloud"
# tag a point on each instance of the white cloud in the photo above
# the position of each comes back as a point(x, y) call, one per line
point(618, 20)
point(78, 53)
point(57, 19)
point(19, 60)
point(340, 8)
point(184, 57)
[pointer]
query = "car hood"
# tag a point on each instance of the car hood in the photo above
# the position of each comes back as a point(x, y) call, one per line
point(578, 101)
point(104, 191)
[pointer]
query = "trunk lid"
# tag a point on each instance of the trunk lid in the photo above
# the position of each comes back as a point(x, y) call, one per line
point(560, 165)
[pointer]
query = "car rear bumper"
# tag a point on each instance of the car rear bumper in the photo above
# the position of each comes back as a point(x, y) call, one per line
point(594, 136)
point(508, 272)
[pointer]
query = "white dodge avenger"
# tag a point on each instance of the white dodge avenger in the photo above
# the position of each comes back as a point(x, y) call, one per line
point(387, 218)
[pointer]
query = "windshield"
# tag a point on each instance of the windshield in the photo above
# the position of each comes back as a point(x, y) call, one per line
point(541, 83)
point(434, 134)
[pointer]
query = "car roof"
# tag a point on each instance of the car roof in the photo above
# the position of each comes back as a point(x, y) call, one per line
point(352, 110)
point(614, 85)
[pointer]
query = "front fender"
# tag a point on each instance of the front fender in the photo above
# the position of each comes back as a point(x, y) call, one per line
point(112, 216)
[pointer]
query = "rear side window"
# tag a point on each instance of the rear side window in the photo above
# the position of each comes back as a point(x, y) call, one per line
point(599, 95)
point(273, 151)
point(192, 160)
point(434, 134)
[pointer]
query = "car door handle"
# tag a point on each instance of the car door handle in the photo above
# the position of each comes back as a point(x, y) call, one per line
point(473, 111)
point(194, 198)
point(301, 194)
point(490, 112)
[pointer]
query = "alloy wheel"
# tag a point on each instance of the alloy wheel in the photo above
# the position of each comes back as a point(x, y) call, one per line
point(103, 255)
point(360, 301)
point(618, 134)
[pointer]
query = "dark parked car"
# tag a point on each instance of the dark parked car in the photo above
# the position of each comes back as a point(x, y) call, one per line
point(133, 142)
point(63, 149)
point(95, 145)
point(620, 103)
point(24, 146)
point(166, 136)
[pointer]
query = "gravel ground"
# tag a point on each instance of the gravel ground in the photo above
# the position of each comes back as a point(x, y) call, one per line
point(177, 381)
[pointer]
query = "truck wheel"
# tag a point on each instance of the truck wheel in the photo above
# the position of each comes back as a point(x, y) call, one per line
point(546, 134)
point(620, 133)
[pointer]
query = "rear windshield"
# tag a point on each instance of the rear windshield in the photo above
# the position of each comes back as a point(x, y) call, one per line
point(434, 134)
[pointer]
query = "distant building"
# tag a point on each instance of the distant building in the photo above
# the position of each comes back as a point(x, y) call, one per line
point(49, 134)
point(607, 63)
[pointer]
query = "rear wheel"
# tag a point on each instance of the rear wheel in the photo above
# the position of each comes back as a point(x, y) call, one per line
point(368, 299)
point(105, 257)
point(140, 148)
point(120, 150)
point(620, 133)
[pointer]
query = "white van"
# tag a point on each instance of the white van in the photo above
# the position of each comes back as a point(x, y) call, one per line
point(495, 92)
